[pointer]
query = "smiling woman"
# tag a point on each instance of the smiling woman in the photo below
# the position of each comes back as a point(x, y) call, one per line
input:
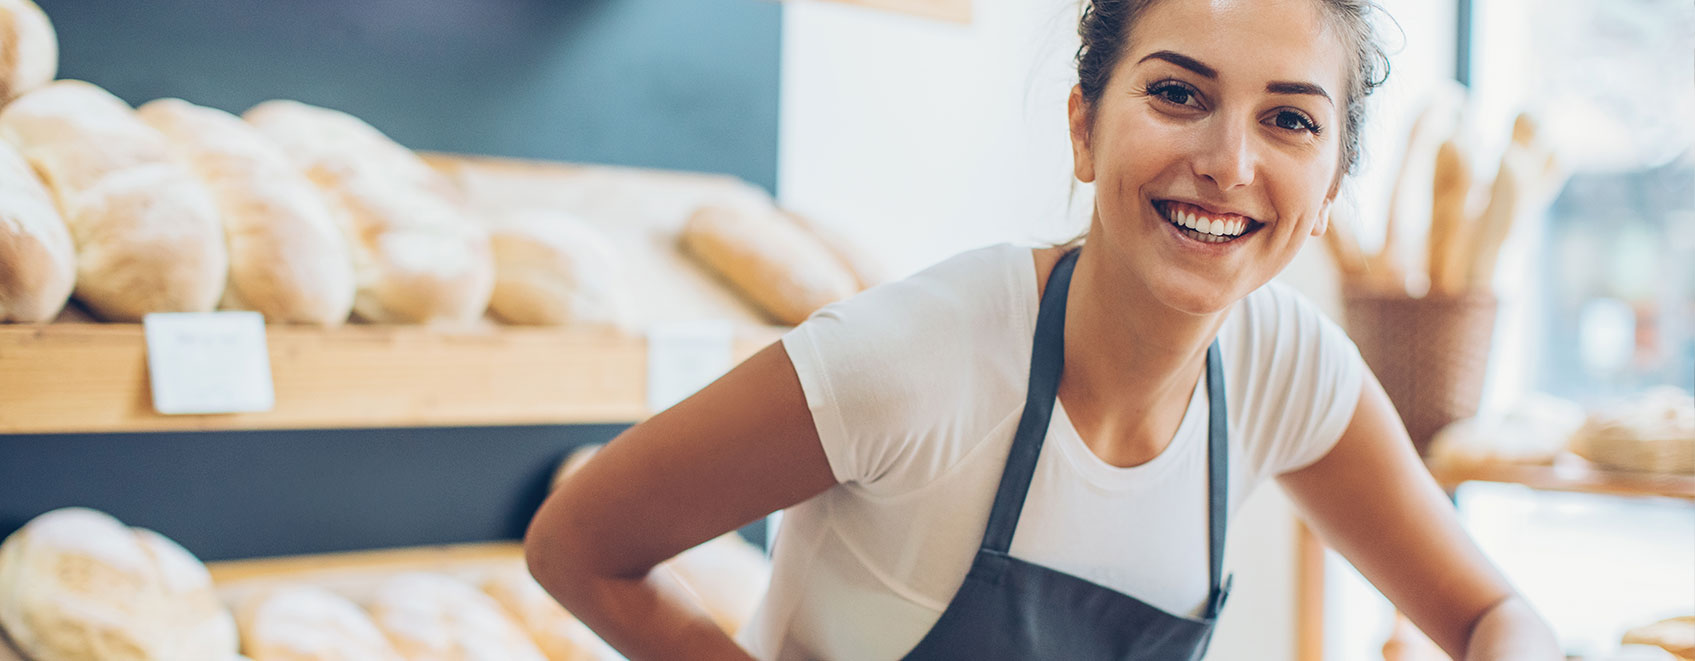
point(1026, 453)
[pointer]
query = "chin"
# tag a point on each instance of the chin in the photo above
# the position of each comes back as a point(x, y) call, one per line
point(1192, 297)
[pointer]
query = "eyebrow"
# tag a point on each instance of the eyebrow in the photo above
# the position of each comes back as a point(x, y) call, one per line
point(1274, 87)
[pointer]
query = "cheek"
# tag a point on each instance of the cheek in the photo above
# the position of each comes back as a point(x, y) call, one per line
point(1131, 153)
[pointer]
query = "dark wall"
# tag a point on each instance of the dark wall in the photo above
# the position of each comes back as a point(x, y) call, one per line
point(686, 84)
point(262, 493)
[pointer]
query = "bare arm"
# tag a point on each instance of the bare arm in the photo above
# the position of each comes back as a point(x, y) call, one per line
point(1372, 500)
point(737, 450)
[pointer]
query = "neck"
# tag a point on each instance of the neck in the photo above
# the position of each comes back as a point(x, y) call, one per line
point(1131, 362)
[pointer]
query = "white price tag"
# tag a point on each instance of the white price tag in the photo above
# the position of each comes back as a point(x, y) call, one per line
point(683, 357)
point(208, 362)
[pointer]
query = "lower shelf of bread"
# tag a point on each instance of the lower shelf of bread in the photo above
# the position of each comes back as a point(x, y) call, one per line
point(81, 378)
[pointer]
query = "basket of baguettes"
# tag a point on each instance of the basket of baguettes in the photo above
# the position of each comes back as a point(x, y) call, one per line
point(1424, 324)
point(311, 216)
point(79, 585)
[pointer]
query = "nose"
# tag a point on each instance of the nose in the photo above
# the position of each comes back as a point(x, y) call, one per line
point(1226, 157)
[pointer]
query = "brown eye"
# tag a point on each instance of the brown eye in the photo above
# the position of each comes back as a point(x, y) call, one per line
point(1290, 120)
point(1175, 93)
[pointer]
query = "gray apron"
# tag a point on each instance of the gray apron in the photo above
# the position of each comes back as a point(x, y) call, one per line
point(1011, 609)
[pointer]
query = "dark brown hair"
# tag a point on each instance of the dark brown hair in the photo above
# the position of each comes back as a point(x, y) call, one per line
point(1105, 31)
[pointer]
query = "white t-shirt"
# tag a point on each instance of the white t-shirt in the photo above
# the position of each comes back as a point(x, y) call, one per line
point(916, 388)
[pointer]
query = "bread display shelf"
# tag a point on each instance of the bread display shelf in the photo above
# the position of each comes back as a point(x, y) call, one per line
point(1568, 474)
point(79, 378)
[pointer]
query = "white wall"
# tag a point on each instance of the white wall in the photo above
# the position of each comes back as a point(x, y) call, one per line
point(921, 139)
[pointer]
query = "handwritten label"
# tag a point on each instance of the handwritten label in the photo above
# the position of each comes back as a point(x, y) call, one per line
point(208, 362)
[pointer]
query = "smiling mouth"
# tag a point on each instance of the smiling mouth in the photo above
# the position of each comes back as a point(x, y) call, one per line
point(1200, 225)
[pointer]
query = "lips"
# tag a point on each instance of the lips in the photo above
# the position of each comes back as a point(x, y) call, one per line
point(1206, 226)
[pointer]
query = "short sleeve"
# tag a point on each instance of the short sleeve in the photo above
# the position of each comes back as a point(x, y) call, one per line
point(898, 377)
point(1302, 377)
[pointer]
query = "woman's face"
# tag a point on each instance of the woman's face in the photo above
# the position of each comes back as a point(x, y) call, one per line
point(1224, 115)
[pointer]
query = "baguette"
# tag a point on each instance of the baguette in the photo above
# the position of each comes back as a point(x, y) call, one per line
point(146, 231)
point(1451, 185)
point(773, 262)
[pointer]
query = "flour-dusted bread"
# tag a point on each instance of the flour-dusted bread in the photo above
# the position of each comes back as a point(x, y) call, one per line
point(37, 261)
point(770, 259)
point(77, 585)
point(560, 636)
point(417, 257)
point(431, 617)
point(553, 268)
point(868, 271)
point(147, 233)
point(309, 623)
point(728, 575)
point(29, 49)
point(288, 257)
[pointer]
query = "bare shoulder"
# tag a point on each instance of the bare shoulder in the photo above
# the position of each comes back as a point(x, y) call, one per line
point(1044, 261)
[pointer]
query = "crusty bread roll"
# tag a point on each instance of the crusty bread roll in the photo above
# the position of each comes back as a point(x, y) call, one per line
point(572, 463)
point(288, 258)
point(559, 635)
point(309, 623)
point(553, 268)
point(29, 49)
point(77, 585)
point(729, 577)
point(771, 260)
point(147, 234)
point(37, 262)
point(430, 617)
point(417, 257)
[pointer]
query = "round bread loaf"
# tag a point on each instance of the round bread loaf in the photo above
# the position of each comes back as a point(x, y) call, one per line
point(77, 585)
point(417, 257)
point(554, 268)
point(288, 257)
point(430, 617)
point(29, 49)
point(37, 261)
point(147, 234)
point(560, 636)
point(308, 623)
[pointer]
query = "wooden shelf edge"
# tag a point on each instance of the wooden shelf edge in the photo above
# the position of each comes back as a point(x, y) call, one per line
point(1568, 475)
point(92, 378)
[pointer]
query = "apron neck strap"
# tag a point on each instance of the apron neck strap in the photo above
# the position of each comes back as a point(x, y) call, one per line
point(1047, 362)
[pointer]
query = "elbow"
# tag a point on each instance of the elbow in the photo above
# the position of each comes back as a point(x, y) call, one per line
point(549, 554)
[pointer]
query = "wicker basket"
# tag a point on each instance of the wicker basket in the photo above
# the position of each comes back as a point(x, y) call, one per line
point(1429, 353)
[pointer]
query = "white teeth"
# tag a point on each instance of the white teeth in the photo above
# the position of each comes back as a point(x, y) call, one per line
point(1188, 219)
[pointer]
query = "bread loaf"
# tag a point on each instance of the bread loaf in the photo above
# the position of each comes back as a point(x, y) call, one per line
point(553, 268)
point(308, 623)
point(417, 257)
point(559, 635)
point(728, 575)
point(1448, 227)
point(76, 585)
point(288, 258)
point(430, 617)
point(29, 50)
point(1675, 635)
point(37, 262)
point(772, 261)
point(147, 234)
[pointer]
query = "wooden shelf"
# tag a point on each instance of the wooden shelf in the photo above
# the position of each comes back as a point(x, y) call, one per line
point(1569, 473)
point(67, 378)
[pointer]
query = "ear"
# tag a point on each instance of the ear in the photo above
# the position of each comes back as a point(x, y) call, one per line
point(1323, 223)
point(1079, 114)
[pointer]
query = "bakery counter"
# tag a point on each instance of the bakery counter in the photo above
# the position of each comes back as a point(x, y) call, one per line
point(80, 378)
